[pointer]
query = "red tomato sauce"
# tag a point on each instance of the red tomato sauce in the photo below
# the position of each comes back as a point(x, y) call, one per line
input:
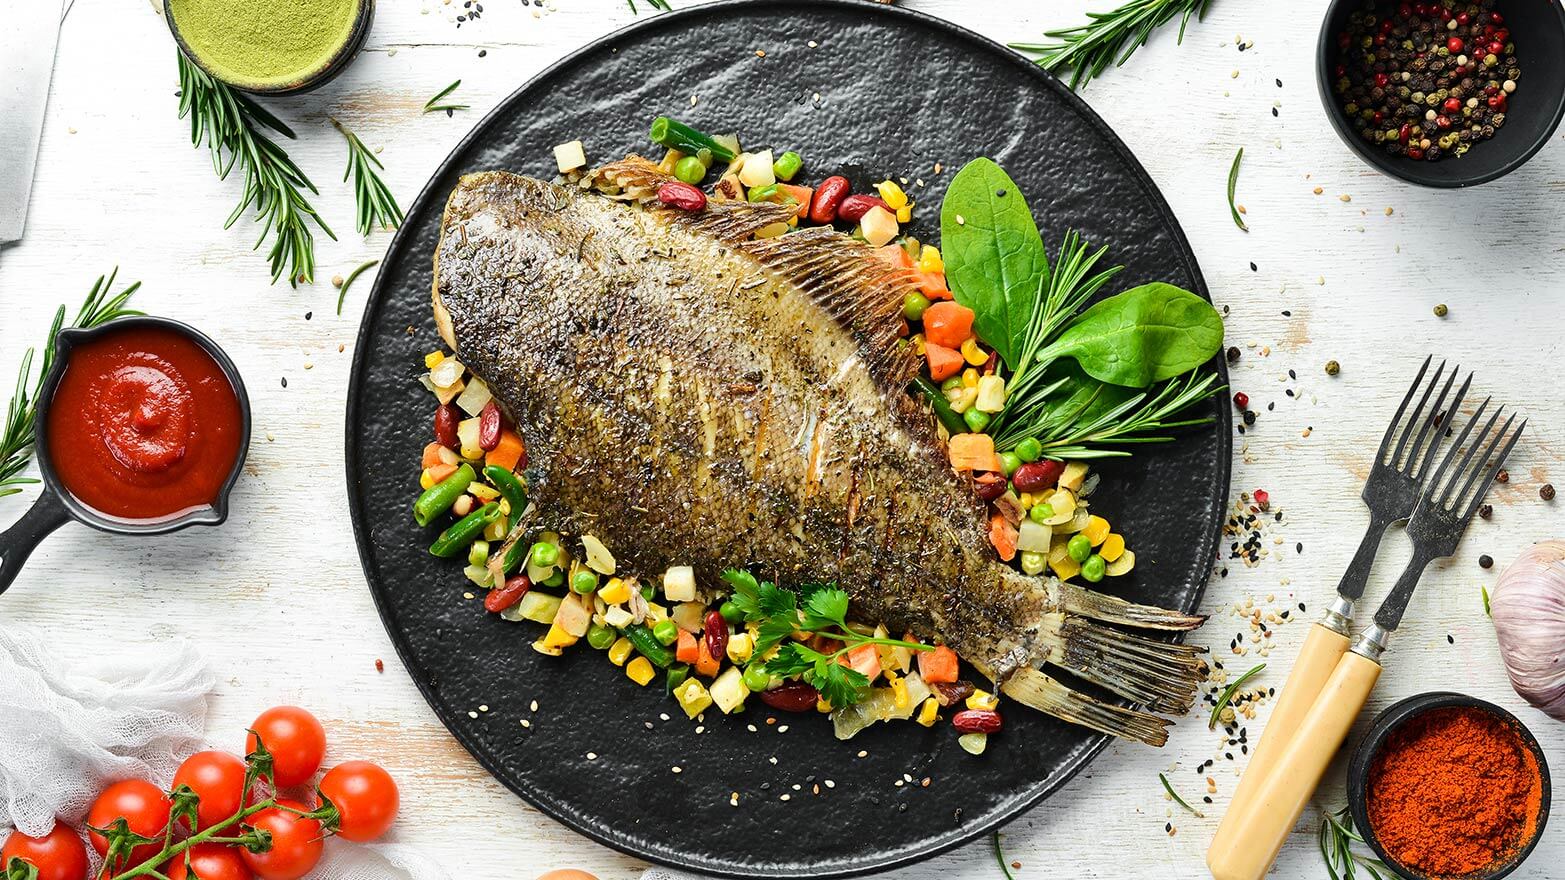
point(144, 424)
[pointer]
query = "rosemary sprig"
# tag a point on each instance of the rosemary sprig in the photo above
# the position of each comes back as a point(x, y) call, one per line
point(433, 104)
point(1000, 856)
point(346, 282)
point(21, 423)
point(1169, 787)
point(375, 204)
point(660, 5)
point(1336, 840)
point(1109, 37)
point(233, 127)
point(1227, 695)
point(1233, 181)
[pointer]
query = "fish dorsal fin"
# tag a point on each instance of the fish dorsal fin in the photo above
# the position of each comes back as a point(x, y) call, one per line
point(860, 291)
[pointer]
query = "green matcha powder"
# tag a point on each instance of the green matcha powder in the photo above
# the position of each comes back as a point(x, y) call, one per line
point(264, 42)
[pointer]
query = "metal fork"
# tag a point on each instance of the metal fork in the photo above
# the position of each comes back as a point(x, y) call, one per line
point(1445, 508)
point(1390, 493)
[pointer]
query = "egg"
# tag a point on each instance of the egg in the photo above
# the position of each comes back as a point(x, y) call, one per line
point(566, 874)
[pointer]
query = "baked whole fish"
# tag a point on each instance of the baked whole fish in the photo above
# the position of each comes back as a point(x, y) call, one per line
point(692, 395)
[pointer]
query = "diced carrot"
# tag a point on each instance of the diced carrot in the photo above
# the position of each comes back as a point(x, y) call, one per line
point(1003, 536)
point(801, 194)
point(896, 255)
point(706, 664)
point(686, 652)
point(933, 285)
point(438, 471)
point(943, 362)
point(937, 666)
point(431, 456)
point(973, 452)
point(948, 323)
point(865, 659)
point(510, 453)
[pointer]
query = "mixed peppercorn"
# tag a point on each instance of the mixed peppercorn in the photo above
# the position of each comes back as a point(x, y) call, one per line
point(1426, 80)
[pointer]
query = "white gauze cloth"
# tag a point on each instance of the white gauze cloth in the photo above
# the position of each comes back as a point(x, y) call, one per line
point(69, 727)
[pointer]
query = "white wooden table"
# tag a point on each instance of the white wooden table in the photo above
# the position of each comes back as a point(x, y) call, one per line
point(276, 598)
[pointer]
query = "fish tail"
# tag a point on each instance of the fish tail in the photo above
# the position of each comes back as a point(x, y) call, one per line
point(1163, 676)
point(1112, 609)
point(1031, 687)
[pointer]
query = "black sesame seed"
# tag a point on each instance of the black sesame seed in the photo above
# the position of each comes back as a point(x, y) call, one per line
point(1253, 267)
point(285, 381)
point(1450, 639)
point(1274, 111)
point(308, 315)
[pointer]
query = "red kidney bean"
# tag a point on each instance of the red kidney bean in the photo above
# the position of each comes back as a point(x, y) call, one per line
point(989, 486)
point(795, 696)
point(831, 192)
point(515, 587)
point(1035, 476)
point(489, 423)
point(446, 418)
point(976, 721)
point(854, 207)
point(951, 692)
point(677, 194)
point(716, 635)
point(992, 364)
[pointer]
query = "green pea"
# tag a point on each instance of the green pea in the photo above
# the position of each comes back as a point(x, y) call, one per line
point(690, 170)
point(1009, 461)
point(555, 580)
point(478, 552)
point(647, 592)
point(1079, 548)
point(600, 636)
point(1029, 449)
point(763, 193)
point(951, 384)
point(787, 165)
point(1093, 568)
point(666, 631)
point(756, 678)
point(977, 420)
point(584, 581)
point(913, 306)
point(731, 613)
point(1041, 512)
point(545, 554)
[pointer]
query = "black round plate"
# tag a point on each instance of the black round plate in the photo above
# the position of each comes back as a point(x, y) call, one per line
point(898, 93)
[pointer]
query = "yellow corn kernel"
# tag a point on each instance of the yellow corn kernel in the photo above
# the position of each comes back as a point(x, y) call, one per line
point(929, 712)
point(1065, 568)
point(929, 259)
point(983, 700)
point(822, 705)
point(425, 481)
point(740, 647)
point(899, 692)
point(905, 214)
point(434, 358)
point(891, 194)
point(620, 651)
point(1027, 500)
point(557, 637)
point(1112, 548)
point(973, 353)
point(917, 341)
point(640, 671)
point(615, 591)
point(483, 491)
point(1097, 529)
point(970, 376)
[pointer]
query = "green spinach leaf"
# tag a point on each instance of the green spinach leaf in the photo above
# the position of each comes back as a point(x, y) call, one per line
point(1141, 336)
point(995, 260)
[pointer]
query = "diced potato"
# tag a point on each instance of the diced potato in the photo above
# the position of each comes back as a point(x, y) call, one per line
point(570, 156)
point(1075, 472)
point(879, 226)
point(474, 397)
point(618, 617)
point(620, 651)
point(538, 607)
point(689, 616)
point(1033, 537)
point(693, 696)
point(991, 394)
point(599, 559)
point(573, 615)
point(467, 435)
point(447, 373)
point(1122, 565)
point(640, 671)
point(1096, 530)
point(1079, 519)
point(1113, 546)
point(679, 584)
point(729, 690)
point(1064, 504)
point(757, 170)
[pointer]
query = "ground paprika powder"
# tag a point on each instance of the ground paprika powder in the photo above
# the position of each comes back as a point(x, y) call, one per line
point(1454, 791)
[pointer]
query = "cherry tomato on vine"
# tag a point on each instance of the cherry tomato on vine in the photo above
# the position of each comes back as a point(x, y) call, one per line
point(218, 778)
point(296, 843)
point(296, 740)
point(58, 855)
point(142, 805)
point(365, 797)
point(210, 861)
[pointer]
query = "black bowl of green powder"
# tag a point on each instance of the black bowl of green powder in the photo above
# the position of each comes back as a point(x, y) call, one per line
point(270, 47)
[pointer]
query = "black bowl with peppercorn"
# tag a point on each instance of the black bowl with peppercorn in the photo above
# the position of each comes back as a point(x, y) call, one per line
point(1443, 93)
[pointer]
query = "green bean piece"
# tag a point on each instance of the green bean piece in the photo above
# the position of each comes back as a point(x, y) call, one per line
point(515, 556)
point(645, 642)
point(690, 170)
point(976, 419)
point(787, 165)
point(763, 193)
point(676, 677)
point(437, 499)
point(511, 489)
point(478, 552)
point(454, 540)
point(678, 136)
point(942, 407)
point(555, 580)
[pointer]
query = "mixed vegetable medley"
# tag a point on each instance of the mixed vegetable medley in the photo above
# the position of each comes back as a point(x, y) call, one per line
point(1026, 384)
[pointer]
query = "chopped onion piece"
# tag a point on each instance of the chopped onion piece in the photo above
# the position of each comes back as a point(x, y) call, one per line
point(570, 156)
point(446, 373)
point(757, 170)
point(599, 559)
point(474, 397)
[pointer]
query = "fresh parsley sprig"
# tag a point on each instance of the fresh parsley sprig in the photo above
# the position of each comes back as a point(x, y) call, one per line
point(777, 613)
point(21, 414)
point(373, 199)
point(1086, 50)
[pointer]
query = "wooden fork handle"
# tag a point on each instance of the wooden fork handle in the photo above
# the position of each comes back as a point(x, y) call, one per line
point(1323, 647)
point(1260, 831)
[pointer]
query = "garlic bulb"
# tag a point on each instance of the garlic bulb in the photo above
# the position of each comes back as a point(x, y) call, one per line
point(1528, 606)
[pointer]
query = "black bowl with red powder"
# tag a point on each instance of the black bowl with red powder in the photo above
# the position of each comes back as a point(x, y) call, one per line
point(1449, 787)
